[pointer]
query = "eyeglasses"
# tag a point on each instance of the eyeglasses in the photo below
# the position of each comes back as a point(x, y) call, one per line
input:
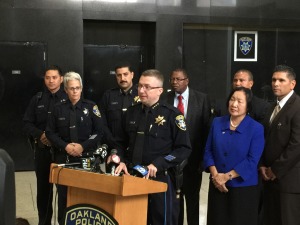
point(146, 87)
point(74, 88)
point(177, 79)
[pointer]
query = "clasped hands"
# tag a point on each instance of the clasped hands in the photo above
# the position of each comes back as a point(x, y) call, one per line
point(267, 173)
point(74, 149)
point(219, 181)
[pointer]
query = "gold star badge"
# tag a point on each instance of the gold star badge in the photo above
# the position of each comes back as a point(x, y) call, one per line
point(160, 120)
point(137, 99)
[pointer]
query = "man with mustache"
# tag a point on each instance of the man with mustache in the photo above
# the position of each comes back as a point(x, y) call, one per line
point(115, 102)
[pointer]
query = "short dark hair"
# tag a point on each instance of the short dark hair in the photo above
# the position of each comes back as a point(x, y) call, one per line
point(122, 65)
point(250, 75)
point(180, 70)
point(284, 68)
point(154, 73)
point(21, 221)
point(248, 94)
point(54, 67)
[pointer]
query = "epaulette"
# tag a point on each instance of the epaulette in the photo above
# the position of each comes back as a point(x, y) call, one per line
point(88, 101)
point(38, 96)
point(114, 89)
point(169, 106)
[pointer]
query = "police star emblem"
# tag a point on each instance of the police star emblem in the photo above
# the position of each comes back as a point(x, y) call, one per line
point(180, 122)
point(96, 111)
point(245, 44)
point(160, 120)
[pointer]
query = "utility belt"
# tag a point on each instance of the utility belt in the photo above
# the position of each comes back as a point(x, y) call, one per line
point(162, 172)
point(39, 144)
point(176, 175)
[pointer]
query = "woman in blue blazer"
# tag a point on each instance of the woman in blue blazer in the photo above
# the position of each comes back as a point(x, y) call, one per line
point(233, 150)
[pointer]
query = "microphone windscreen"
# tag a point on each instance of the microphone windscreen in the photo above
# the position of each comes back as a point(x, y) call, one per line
point(115, 158)
point(113, 151)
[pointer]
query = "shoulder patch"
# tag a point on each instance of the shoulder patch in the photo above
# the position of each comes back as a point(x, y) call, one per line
point(96, 111)
point(180, 122)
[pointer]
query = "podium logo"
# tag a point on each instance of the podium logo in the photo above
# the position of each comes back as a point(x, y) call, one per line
point(85, 214)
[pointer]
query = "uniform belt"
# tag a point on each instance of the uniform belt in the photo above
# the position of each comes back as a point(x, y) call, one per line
point(162, 172)
point(41, 145)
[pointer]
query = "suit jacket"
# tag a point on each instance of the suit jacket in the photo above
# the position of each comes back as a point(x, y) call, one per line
point(197, 122)
point(282, 148)
point(260, 108)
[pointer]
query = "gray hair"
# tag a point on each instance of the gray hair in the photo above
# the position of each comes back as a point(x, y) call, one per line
point(71, 76)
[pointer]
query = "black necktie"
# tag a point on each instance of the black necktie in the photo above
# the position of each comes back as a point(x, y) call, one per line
point(137, 155)
point(73, 125)
point(51, 103)
point(126, 102)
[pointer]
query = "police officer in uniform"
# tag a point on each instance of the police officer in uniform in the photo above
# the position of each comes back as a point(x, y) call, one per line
point(156, 138)
point(115, 102)
point(35, 121)
point(74, 128)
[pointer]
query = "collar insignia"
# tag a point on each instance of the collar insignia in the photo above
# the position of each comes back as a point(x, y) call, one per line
point(136, 99)
point(160, 120)
point(86, 111)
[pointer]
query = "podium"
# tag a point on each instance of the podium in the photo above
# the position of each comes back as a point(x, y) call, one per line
point(125, 197)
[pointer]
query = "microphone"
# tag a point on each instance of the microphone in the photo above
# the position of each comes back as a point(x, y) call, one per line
point(115, 161)
point(140, 171)
point(101, 152)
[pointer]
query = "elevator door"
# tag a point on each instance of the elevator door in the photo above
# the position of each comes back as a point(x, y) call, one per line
point(99, 64)
point(21, 77)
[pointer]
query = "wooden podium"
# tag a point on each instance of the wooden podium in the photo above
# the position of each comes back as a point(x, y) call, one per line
point(125, 198)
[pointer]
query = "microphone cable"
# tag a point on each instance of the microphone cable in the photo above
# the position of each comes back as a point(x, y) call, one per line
point(55, 196)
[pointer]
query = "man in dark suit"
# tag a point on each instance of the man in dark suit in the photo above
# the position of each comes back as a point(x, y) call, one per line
point(196, 109)
point(260, 107)
point(280, 166)
point(244, 78)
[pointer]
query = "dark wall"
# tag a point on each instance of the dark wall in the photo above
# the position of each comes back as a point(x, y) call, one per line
point(60, 29)
point(66, 25)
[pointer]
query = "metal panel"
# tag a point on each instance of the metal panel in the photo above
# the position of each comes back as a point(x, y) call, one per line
point(99, 64)
point(21, 67)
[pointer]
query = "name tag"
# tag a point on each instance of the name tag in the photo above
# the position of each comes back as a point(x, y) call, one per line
point(93, 136)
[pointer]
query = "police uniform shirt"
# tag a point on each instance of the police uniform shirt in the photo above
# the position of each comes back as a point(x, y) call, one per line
point(113, 106)
point(166, 140)
point(89, 125)
point(38, 110)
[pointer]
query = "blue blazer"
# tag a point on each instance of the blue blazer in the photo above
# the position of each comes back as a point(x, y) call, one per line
point(239, 150)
